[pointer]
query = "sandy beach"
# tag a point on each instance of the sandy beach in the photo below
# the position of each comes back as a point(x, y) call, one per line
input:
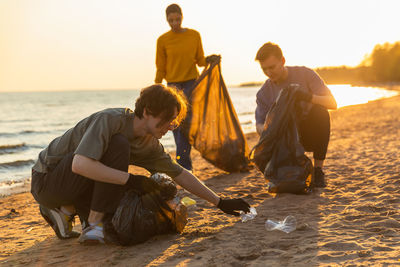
point(354, 221)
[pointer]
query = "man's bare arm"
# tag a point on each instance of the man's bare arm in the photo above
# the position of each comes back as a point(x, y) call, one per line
point(97, 171)
point(196, 187)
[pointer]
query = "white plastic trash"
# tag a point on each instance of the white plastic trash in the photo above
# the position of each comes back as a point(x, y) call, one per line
point(248, 216)
point(288, 225)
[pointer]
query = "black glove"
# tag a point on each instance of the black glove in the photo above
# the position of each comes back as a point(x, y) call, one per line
point(213, 58)
point(302, 95)
point(142, 183)
point(231, 206)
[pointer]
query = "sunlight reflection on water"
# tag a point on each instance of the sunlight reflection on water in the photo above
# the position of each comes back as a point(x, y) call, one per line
point(347, 95)
point(244, 99)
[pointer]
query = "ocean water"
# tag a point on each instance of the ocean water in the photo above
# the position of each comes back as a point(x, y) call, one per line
point(30, 120)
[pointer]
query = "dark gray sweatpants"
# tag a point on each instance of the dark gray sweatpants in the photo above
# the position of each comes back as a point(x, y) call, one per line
point(61, 186)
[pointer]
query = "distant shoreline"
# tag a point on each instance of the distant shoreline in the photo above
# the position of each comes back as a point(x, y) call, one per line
point(395, 86)
point(250, 84)
point(17, 188)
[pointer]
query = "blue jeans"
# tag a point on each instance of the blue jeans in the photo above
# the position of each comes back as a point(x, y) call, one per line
point(183, 146)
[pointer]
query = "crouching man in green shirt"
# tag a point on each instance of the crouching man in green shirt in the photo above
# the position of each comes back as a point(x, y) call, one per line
point(85, 171)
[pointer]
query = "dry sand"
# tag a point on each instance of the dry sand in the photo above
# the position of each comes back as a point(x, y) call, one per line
point(354, 221)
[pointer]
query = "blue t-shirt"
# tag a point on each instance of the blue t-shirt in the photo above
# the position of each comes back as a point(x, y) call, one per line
point(306, 79)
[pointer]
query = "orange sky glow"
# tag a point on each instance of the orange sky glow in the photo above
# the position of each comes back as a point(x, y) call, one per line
point(97, 44)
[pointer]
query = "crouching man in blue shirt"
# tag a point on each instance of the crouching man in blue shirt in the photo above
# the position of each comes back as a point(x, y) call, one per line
point(312, 96)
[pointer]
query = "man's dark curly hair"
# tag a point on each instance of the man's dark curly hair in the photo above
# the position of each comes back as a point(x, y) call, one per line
point(160, 101)
point(173, 8)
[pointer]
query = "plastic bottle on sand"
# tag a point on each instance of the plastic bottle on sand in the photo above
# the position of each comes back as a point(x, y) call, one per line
point(287, 225)
point(187, 201)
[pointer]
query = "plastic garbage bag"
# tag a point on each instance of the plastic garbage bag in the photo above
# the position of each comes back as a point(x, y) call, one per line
point(279, 154)
point(141, 216)
point(214, 129)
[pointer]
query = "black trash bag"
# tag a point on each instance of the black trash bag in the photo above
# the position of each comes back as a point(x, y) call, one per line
point(214, 129)
point(142, 216)
point(279, 154)
point(166, 185)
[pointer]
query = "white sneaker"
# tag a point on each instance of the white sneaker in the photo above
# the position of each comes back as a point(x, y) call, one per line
point(92, 235)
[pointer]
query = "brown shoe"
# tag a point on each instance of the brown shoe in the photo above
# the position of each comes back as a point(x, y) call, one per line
point(319, 177)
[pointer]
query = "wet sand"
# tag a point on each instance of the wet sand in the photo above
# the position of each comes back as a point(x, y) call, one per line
point(353, 221)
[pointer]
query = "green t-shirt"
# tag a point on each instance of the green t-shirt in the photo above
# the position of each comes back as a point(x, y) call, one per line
point(91, 136)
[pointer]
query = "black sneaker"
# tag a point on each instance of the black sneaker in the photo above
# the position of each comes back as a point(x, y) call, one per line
point(61, 223)
point(319, 177)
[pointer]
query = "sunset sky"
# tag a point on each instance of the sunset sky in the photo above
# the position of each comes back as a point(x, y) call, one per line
point(110, 44)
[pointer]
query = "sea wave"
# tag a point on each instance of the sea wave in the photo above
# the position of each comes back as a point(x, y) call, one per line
point(246, 113)
point(7, 134)
point(15, 120)
point(18, 148)
point(24, 132)
point(14, 187)
point(17, 163)
point(28, 132)
point(12, 147)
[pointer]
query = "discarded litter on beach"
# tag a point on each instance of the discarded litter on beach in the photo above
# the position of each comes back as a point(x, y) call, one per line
point(288, 225)
point(248, 216)
point(187, 201)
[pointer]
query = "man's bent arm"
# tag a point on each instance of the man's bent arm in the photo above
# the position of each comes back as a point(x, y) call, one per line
point(327, 101)
point(189, 182)
point(97, 171)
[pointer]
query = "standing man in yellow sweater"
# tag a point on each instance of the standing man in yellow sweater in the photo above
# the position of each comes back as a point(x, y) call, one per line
point(178, 52)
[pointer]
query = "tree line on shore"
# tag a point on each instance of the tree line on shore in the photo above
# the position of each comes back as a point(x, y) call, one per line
point(382, 65)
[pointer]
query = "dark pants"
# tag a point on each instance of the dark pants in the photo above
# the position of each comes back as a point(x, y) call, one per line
point(62, 187)
point(314, 132)
point(183, 146)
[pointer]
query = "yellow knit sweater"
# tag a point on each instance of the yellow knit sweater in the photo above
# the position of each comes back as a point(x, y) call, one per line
point(177, 56)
